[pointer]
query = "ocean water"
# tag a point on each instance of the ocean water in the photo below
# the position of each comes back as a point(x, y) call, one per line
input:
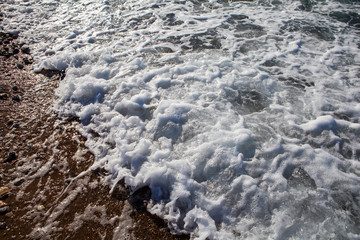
point(243, 117)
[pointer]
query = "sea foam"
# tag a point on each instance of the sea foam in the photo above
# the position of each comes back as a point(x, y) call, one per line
point(241, 117)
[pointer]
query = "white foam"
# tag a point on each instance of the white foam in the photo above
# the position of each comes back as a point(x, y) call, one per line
point(213, 110)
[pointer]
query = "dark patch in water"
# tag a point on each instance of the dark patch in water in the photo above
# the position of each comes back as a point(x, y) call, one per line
point(306, 5)
point(348, 202)
point(236, 18)
point(351, 18)
point(170, 20)
point(249, 30)
point(298, 178)
point(246, 101)
point(201, 41)
point(349, 1)
point(142, 21)
point(164, 49)
point(298, 83)
point(252, 100)
point(320, 32)
point(248, 46)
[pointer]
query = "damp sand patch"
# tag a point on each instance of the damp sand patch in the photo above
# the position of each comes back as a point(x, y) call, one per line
point(45, 189)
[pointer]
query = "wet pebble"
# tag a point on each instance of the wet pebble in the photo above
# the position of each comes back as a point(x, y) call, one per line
point(27, 61)
point(16, 98)
point(4, 210)
point(4, 192)
point(11, 157)
point(25, 50)
point(2, 204)
point(20, 66)
point(2, 225)
point(18, 182)
point(68, 181)
point(4, 96)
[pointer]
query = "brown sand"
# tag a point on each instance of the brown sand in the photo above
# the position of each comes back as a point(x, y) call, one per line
point(39, 157)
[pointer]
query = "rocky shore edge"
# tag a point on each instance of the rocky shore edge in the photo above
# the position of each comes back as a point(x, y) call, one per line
point(42, 193)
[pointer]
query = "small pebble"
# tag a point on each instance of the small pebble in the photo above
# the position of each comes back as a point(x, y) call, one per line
point(20, 66)
point(25, 49)
point(41, 207)
point(4, 192)
point(2, 90)
point(2, 225)
point(16, 125)
point(18, 182)
point(49, 52)
point(11, 157)
point(91, 40)
point(68, 180)
point(3, 96)
point(9, 123)
point(4, 210)
point(9, 214)
point(15, 88)
point(16, 98)
point(27, 61)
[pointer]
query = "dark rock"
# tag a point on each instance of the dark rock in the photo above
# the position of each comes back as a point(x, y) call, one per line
point(10, 123)
point(16, 125)
point(20, 66)
point(16, 98)
point(18, 182)
point(11, 157)
point(2, 90)
point(15, 88)
point(27, 61)
point(91, 40)
point(2, 225)
point(140, 198)
point(3, 96)
point(4, 210)
point(25, 50)
point(16, 51)
point(68, 181)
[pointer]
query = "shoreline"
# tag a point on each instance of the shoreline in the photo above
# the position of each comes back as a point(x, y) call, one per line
point(39, 159)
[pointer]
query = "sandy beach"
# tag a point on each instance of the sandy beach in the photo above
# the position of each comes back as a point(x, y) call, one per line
point(42, 194)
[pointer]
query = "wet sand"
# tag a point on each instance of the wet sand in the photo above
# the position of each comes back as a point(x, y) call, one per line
point(41, 156)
